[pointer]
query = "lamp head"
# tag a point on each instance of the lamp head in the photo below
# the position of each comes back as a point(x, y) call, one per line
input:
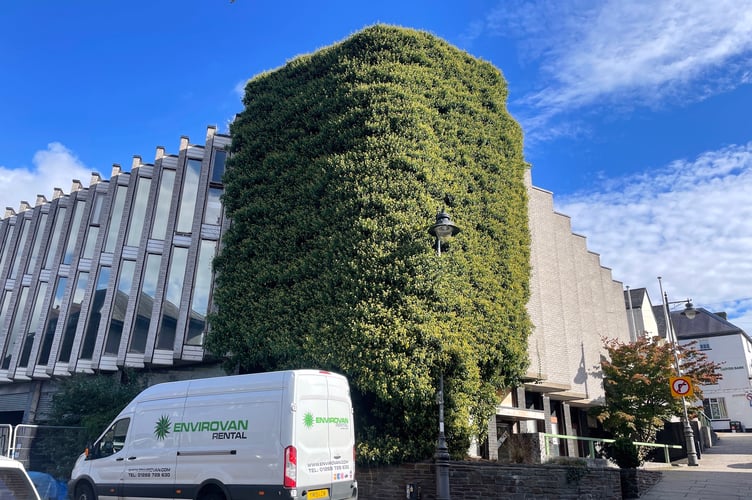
point(444, 227)
point(689, 311)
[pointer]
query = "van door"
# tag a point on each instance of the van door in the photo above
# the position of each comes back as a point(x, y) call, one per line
point(312, 437)
point(324, 439)
point(152, 448)
point(341, 437)
point(106, 459)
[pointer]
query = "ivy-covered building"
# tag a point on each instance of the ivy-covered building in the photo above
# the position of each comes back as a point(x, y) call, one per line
point(331, 151)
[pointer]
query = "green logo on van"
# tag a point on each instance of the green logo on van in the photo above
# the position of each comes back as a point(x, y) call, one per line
point(163, 427)
point(221, 429)
point(309, 420)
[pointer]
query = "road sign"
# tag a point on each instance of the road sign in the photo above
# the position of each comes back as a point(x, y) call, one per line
point(681, 386)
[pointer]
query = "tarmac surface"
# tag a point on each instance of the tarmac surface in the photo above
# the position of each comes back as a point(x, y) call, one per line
point(724, 473)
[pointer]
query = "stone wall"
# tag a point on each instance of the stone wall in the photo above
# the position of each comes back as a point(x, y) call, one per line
point(474, 480)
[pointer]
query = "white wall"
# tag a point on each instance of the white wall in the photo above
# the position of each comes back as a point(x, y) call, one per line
point(735, 354)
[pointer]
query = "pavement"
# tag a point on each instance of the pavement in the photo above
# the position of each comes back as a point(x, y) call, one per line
point(724, 473)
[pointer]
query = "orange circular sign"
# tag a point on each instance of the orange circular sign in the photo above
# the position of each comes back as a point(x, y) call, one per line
point(681, 386)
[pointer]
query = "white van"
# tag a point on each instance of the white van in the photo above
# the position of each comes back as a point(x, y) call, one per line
point(282, 435)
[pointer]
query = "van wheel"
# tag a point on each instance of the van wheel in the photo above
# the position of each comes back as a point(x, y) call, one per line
point(210, 494)
point(84, 491)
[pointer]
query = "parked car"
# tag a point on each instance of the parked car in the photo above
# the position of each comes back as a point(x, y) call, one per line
point(48, 487)
point(15, 483)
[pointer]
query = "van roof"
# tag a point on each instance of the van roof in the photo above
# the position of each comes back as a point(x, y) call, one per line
point(228, 383)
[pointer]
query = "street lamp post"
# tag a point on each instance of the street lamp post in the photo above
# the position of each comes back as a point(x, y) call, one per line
point(442, 230)
point(690, 312)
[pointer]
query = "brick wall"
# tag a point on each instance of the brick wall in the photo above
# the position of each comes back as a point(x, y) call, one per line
point(474, 480)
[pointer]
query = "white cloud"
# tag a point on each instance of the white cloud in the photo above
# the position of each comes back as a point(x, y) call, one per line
point(239, 88)
point(641, 52)
point(55, 166)
point(687, 222)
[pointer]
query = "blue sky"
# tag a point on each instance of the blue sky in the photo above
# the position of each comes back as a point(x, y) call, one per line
point(636, 114)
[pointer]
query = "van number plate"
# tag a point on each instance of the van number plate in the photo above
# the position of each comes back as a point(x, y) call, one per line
point(318, 494)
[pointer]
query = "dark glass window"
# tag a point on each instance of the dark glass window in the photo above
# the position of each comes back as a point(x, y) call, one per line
point(20, 247)
point(78, 215)
point(38, 237)
point(57, 231)
point(201, 293)
point(34, 327)
point(115, 219)
point(52, 319)
point(138, 212)
point(95, 313)
point(218, 166)
point(119, 306)
point(7, 247)
point(213, 212)
point(96, 211)
point(171, 303)
point(6, 304)
point(74, 314)
point(91, 242)
point(145, 304)
point(188, 196)
point(16, 327)
point(162, 212)
point(112, 440)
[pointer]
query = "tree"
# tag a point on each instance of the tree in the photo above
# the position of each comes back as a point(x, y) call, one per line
point(338, 165)
point(92, 401)
point(81, 409)
point(636, 380)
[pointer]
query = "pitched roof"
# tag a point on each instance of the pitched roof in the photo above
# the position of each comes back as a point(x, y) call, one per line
point(705, 324)
point(637, 295)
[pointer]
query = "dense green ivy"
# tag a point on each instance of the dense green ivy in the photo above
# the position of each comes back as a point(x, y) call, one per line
point(339, 164)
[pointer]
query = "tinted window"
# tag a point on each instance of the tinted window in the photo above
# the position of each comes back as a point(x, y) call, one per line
point(113, 440)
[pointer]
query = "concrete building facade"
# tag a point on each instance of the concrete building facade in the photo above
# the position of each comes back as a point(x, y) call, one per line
point(117, 275)
point(574, 304)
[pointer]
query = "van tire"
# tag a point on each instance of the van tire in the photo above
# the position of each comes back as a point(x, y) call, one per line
point(210, 493)
point(84, 491)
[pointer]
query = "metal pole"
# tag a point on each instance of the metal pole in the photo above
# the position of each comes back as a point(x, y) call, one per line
point(635, 335)
point(689, 436)
point(442, 452)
